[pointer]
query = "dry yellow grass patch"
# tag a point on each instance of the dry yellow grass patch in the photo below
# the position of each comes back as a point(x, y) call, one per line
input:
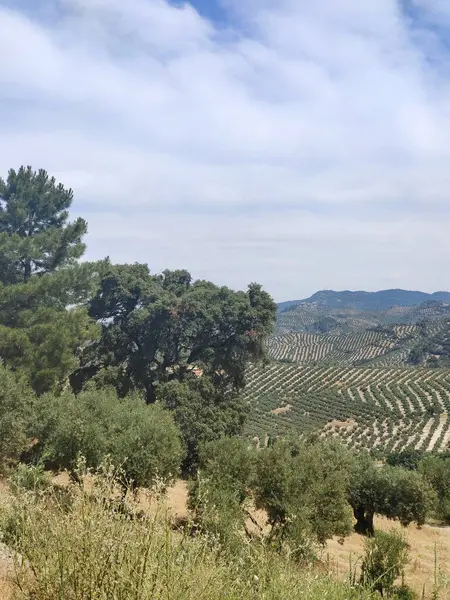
point(426, 544)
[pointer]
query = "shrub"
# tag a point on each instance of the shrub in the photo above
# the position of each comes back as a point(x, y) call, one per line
point(386, 556)
point(16, 401)
point(142, 440)
point(29, 478)
point(222, 487)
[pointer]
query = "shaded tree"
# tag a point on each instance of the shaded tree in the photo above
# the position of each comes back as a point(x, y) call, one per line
point(393, 492)
point(202, 412)
point(303, 489)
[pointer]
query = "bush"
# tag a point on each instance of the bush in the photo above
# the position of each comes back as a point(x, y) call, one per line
point(386, 556)
point(30, 478)
point(16, 401)
point(222, 487)
point(142, 440)
point(303, 489)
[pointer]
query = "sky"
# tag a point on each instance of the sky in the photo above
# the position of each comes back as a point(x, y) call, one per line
point(302, 145)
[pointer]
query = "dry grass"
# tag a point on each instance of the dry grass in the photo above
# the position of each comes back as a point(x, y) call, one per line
point(84, 549)
point(427, 545)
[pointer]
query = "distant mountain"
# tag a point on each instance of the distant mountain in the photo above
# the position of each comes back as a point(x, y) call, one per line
point(367, 301)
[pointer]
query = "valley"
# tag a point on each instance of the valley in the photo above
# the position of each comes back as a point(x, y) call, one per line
point(375, 379)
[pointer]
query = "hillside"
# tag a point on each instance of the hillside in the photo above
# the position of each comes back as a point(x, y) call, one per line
point(427, 343)
point(384, 409)
point(317, 318)
point(367, 301)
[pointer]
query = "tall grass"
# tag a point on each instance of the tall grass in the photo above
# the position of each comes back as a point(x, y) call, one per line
point(82, 544)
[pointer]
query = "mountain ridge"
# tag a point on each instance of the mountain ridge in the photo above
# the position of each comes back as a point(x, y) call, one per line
point(367, 301)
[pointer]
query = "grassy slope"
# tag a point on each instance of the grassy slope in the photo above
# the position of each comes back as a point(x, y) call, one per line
point(426, 543)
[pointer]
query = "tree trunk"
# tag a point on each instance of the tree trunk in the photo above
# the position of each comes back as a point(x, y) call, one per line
point(27, 270)
point(364, 521)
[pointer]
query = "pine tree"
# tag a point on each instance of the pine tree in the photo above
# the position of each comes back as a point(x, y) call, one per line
point(35, 235)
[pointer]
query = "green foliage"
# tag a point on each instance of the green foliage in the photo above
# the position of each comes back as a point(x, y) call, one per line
point(408, 459)
point(43, 326)
point(220, 493)
point(303, 488)
point(386, 556)
point(436, 470)
point(201, 412)
point(159, 328)
point(140, 439)
point(44, 342)
point(393, 492)
point(16, 400)
point(35, 236)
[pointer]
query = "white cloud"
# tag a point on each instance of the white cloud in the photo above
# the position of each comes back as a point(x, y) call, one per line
point(305, 148)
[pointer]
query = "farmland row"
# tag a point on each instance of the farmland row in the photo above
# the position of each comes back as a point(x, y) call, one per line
point(376, 408)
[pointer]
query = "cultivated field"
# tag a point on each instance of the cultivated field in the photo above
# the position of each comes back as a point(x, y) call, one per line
point(304, 318)
point(385, 409)
point(380, 346)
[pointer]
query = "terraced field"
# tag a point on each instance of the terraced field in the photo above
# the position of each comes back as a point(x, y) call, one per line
point(342, 349)
point(381, 346)
point(384, 409)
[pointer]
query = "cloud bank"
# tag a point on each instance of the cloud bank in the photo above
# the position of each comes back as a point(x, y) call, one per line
point(301, 145)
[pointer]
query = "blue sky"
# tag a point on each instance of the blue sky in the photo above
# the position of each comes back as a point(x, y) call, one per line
point(303, 145)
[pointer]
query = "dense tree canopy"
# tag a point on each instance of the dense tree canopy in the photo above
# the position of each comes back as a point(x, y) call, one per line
point(161, 328)
point(64, 324)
